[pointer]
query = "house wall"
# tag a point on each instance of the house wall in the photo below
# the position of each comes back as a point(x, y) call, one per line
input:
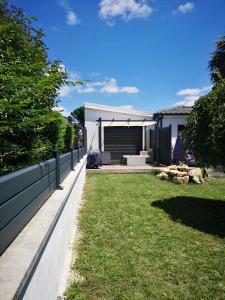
point(91, 124)
point(174, 121)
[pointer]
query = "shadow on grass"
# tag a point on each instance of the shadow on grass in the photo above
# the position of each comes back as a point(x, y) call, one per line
point(206, 215)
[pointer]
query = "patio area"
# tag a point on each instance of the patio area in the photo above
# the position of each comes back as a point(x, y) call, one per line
point(123, 169)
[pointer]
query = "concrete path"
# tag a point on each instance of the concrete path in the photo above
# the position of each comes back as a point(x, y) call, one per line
point(123, 169)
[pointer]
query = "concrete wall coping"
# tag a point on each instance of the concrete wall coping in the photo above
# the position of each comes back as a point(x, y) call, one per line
point(20, 259)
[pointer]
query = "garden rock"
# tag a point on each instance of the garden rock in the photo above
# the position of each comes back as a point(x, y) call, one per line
point(196, 173)
point(177, 173)
point(160, 170)
point(173, 167)
point(181, 180)
point(195, 180)
point(183, 168)
point(163, 176)
point(180, 174)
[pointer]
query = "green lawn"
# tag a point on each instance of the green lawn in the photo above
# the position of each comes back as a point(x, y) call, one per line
point(142, 238)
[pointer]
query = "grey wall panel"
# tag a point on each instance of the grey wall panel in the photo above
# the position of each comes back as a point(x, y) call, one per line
point(64, 174)
point(66, 167)
point(64, 158)
point(75, 156)
point(23, 192)
point(122, 140)
point(12, 207)
point(13, 183)
point(9, 232)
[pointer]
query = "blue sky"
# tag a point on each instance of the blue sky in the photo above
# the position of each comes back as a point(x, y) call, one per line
point(143, 54)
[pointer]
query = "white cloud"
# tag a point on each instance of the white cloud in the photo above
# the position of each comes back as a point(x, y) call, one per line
point(188, 92)
point(191, 95)
point(184, 8)
point(71, 17)
point(66, 90)
point(111, 87)
point(85, 89)
point(64, 112)
point(108, 86)
point(125, 9)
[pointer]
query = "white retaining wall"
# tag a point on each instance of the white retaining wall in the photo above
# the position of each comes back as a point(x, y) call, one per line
point(27, 269)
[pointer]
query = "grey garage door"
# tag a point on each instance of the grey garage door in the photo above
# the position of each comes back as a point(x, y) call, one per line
point(121, 140)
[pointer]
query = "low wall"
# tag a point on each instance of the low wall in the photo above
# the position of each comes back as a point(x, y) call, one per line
point(36, 264)
point(23, 192)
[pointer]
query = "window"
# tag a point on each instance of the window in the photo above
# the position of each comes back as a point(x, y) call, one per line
point(180, 129)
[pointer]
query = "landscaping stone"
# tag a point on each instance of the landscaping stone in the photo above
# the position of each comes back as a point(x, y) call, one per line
point(180, 180)
point(183, 168)
point(196, 175)
point(160, 170)
point(195, 180)
point(177, 173)
point(173, 167)
point(180, 174)
point(163, 176)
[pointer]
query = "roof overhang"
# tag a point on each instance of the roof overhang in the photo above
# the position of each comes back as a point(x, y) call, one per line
point(127, 123)
point(118, 109)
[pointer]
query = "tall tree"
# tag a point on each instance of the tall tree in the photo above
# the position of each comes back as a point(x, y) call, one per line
point(29, 85)
point(205, 134)
point(78, 114)
point(217, 62)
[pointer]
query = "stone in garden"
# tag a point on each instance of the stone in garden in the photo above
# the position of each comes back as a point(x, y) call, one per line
point(163, 176)
point(160, 170)
point(195, 180)
point(180, 180)
point(172, 173)
point(173, 167)
point(177, 173)
point(181, 174)
point(183, 168)
point(197, 172)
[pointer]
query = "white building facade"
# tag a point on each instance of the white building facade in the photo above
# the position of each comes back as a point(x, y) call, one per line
point(119, 131)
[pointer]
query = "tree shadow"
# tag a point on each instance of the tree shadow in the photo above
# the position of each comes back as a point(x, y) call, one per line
point(206, 215)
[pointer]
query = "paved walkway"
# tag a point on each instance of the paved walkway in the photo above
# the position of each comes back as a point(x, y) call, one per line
point(123, 169)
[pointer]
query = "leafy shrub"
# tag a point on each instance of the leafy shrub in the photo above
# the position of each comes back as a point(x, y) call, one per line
point(68, 137)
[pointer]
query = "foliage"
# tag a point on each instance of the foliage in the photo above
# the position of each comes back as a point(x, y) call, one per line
point(217, 62)
point(205, 134)
point(141, 238)
point(29, 85)
point(78, 114)
point(68, 137)
point(205, 131)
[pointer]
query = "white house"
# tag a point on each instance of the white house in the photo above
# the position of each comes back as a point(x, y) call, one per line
point(119, 131)
point(170, 124)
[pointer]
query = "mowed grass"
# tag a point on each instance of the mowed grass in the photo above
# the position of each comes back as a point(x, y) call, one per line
point(142, 238)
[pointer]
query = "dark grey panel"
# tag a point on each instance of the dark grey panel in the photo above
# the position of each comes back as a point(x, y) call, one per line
point(121, 140)
point(75, 156)
point(9, 232)
point(165, 145)
point(161, 145)
point(64, 158)
point(13, 183)
point(64, 174)
point(66, 167)
point(12, 207)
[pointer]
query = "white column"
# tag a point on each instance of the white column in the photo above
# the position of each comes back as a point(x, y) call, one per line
point(102, 141)
point(143, 138)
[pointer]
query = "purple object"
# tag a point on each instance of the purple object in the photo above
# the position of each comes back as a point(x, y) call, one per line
point(94, 159)
point(178, 154)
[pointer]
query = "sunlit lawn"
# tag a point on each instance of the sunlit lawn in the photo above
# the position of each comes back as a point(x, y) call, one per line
point(142, 238)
